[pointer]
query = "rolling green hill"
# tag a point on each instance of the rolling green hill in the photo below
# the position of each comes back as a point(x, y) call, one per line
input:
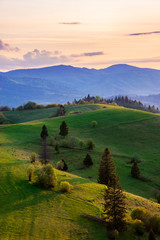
point(28, 212)
point(31, 115)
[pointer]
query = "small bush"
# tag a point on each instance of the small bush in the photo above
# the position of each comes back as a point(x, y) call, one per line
point(90, 144)
point(65, 186)
point(33, 157)
point(138, 227)
point(52, 141)
point(138, 213)
point(45, 176)
point(81, 144)
point(30, 171)
point(61, 165)
point(94, 123)
point(88, 161)
point(135, 158)
point(135, 172)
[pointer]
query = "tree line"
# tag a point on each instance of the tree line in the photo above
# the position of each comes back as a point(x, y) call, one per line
point(124, 101)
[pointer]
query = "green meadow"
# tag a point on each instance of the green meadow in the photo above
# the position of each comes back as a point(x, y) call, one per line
point(31, 115)
point(29, 212)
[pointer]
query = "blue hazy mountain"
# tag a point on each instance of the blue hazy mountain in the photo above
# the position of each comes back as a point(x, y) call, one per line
point(64, 83)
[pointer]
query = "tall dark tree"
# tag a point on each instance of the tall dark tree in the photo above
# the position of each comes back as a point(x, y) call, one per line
point(88, 161)
point(115, 206)
point(44, 154)
point(135, 172)
point(44, 132)
point(107, 169)
point(63, 129)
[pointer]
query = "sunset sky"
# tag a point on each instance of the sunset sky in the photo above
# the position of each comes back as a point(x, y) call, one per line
point(85, 33)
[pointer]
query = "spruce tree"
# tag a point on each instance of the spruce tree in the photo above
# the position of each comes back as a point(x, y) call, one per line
point(107, 169)
point(114, 206)
point(88, 161)
point(63, 129)
point(44, 132)
point(135, 170)
point(44, 154)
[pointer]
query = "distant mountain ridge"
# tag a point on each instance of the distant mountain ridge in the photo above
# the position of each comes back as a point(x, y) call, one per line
point(63, 83)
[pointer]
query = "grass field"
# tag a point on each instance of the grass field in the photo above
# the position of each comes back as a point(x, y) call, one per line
point(30, 115)
point(28, 212)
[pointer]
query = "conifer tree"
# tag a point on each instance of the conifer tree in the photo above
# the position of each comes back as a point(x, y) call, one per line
point(107, 169)
point(44, 132)
point(114, 206)
point(63, 129)
point(88, 161)
point(44, 154)
point(135, 170)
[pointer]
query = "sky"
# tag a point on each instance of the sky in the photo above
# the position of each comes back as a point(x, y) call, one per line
point(85, 33)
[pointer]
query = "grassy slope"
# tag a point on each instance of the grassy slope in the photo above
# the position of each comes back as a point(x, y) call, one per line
point(124, 131)
point(30, 115)
point(28, 212)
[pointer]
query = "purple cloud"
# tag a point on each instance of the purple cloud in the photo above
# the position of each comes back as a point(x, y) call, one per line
point(70, 23)
point(7, 47)
point(144, 33)
point(34, 58)
point(88, 54)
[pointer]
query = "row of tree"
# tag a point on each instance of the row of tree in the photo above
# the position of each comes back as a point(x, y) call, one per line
point(29, 106)
point(124, 101)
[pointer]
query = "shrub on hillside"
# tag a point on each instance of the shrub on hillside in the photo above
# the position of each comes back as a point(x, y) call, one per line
point(88, 161)
point(135, 172)
point(90, 144)
point(138, 213)
point(135, 158)
point(30, 172)
point(45, 176)
point(81, 144)
point(5, 108)
point(94, 123)
point(33, 157)
point(52, 141)
point(143, 215)
point(69, 142)
point(61, 165)
point(65, 186)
